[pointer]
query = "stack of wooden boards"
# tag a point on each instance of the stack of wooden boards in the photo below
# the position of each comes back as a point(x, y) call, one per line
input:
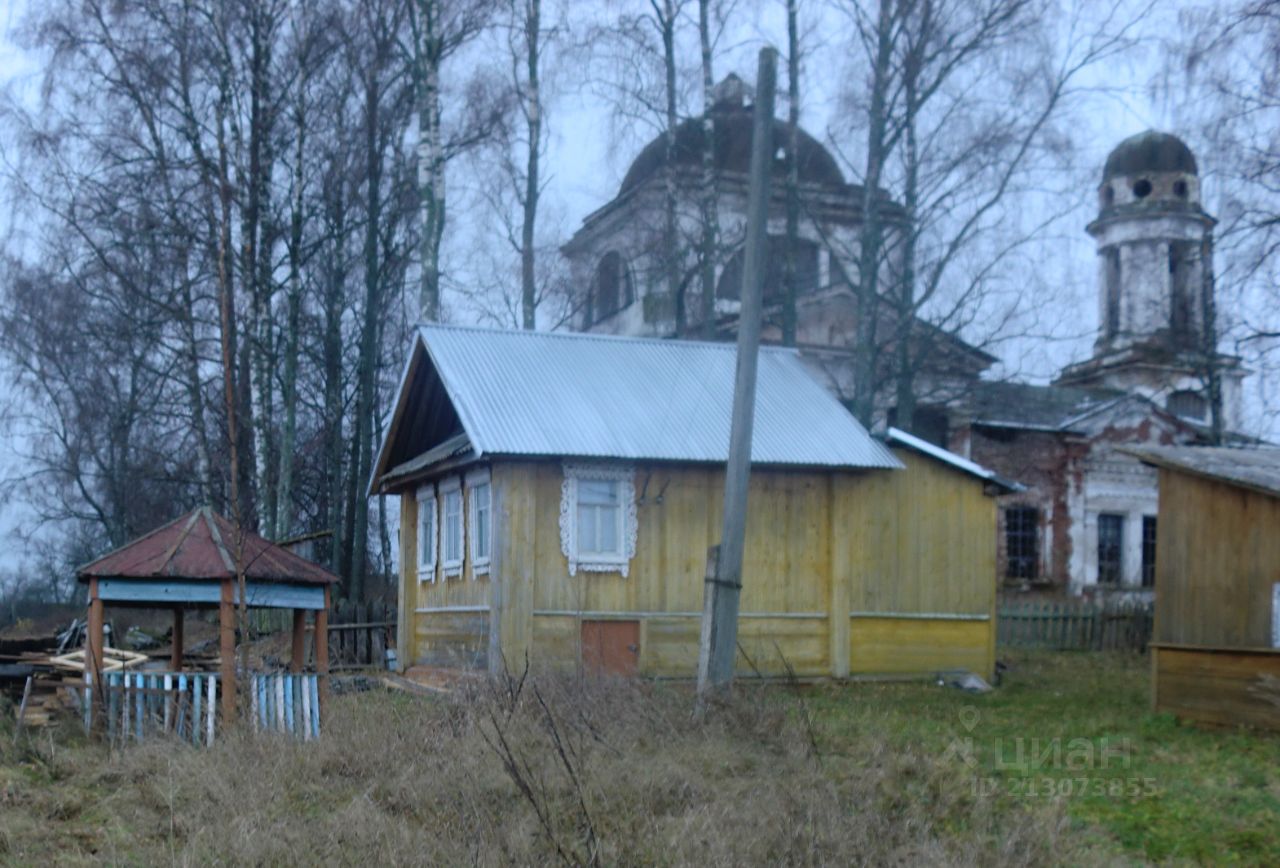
point(56, 684)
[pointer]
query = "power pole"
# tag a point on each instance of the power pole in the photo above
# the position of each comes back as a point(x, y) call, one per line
point(717, 648)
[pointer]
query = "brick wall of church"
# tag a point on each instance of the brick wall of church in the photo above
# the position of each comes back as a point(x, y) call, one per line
point(1048, 465)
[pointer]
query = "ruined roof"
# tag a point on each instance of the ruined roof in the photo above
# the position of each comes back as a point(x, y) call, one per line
point(1042, 408)
point(556, 394)
point(731, 132)
point(202, 545)
point(1255, 469)
point(1149, 151)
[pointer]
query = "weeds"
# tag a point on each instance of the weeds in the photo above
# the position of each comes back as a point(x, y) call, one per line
point(529, 769)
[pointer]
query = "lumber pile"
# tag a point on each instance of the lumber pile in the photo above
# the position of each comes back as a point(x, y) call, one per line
point(55, 684)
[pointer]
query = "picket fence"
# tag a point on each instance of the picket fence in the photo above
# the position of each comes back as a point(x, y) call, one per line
point(1076, 626)
point(142, 705)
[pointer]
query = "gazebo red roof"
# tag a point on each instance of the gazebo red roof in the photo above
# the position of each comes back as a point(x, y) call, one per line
point(202, 545)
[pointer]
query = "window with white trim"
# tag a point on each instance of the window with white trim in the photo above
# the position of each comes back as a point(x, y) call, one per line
point(426, 534)
point(451, 528)
point(598, 517)
point(480, 495)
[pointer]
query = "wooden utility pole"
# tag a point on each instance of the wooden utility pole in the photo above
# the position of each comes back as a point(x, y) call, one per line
point(718, 646)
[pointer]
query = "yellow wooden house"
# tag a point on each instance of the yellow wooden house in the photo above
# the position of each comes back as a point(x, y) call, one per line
point(559, 494)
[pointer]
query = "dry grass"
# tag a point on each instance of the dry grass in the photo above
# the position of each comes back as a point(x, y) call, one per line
point(551, 769)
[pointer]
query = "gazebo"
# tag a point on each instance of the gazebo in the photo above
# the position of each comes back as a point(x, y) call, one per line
point(195, 562)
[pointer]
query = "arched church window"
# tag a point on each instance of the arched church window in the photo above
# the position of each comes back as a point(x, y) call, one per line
point(612, 289)
point(806, 259)
point(1187, 404)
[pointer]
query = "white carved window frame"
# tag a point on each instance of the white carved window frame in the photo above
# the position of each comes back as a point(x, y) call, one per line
point(427, 542)
point(479, 485)
point(624, 475)
point(451, 568)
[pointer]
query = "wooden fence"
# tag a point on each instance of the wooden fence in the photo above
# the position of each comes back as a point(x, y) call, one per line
point(286, 702)
point(142, 705)
point(1076, 626)
point(359, 633)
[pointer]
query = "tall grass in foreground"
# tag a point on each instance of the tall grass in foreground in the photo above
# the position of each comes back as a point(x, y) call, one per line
point(529, 771)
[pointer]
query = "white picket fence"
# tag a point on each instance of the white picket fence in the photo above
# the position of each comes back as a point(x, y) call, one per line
point(141, 705)
point(286, 702)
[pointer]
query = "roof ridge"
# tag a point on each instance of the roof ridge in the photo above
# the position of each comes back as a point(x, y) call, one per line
point(120, 548)
point(182, 537)
point(589, 336)
point(216, 536)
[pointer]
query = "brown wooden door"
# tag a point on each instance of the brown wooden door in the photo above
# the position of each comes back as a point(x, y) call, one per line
point(611, 647)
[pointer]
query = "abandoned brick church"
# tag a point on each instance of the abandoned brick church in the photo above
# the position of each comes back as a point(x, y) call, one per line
point(1086, 523)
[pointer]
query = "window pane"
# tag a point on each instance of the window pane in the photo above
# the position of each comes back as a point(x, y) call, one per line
point(608, 518)
point(426, 531)
point(453, 526)
point(598, 491)
point(481, 530)
point(1148, 551)
point(1022, 537)
point(586, 528)
point(1110, 548)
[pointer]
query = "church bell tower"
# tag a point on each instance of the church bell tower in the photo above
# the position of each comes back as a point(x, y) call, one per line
point(1154, 242)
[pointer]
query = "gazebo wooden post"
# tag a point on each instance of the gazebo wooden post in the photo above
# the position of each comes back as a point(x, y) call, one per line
point(95, 661)
point(322, 647)
point(175, 659)
point(227, 649)
point(299, 640)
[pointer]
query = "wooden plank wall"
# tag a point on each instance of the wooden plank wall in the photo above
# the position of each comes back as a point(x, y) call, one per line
point(1221, 687)
point(1217, 558)
point(444, 622)
point(828, 555)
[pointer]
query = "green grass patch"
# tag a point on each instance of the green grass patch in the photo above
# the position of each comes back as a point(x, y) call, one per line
point(1076, 727)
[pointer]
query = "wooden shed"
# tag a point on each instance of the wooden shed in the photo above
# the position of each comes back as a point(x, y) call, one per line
point(559, 494)
point(1216, 645)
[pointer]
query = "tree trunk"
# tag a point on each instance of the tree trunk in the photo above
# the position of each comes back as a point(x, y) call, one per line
point(904, 363)
point(710, 216)
point(670, 229)
point(331, 369)
point(871, 233)
point(431, 194)
point(293, 327)
point(790, 290)
point(533, 121)
point(368, 361)
point(1209, 339)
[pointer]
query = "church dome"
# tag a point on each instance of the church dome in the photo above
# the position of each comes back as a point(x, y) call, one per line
point(1149, 152)
point(732, 122)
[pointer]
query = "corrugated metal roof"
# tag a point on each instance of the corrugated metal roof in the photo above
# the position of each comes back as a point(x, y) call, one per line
point(202, 545)
point(593, 396)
